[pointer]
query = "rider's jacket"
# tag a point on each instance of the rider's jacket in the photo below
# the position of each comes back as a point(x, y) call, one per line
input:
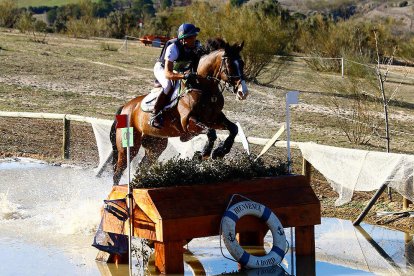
point(187, 58)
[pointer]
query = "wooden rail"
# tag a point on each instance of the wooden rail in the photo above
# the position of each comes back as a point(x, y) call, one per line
point(65, 118)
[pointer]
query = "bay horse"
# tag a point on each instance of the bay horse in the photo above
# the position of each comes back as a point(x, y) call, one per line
point(198, 111)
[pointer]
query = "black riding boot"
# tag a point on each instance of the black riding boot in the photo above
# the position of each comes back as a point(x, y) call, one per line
point(156, 119)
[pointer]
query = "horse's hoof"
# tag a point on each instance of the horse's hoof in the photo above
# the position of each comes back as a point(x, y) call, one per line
point(198, 156)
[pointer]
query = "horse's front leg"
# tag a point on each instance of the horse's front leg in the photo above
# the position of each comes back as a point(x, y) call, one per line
point(208, 147)
point(225, 146)
point(195, 127)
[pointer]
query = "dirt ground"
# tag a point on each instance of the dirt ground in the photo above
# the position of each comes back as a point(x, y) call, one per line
point(73, 76)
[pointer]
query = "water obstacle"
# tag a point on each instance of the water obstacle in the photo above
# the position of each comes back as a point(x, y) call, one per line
point(171, 216)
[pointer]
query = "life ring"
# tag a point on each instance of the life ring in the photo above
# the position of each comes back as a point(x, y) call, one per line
point(228, 226)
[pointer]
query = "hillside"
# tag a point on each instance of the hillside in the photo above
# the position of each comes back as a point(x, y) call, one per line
point(366, 9)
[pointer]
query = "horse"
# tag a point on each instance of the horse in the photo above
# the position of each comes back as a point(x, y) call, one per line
point(198, 111)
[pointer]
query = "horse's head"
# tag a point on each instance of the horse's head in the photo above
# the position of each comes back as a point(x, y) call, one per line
point(231, 70)
point(224, 63)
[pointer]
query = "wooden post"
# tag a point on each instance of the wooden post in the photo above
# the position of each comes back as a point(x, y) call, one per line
point(305, 250)
point(251, 238)
point(406, 203)
point(66, 139)
point(169, 257)
point(307, 170)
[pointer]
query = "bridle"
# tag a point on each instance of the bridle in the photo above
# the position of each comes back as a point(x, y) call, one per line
point(229, 82)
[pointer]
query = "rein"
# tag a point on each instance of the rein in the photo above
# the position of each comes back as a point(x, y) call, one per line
point(225, 84)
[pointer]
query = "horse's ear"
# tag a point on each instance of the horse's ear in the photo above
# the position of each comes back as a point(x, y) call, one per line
point(227, 49)
point(241, 45)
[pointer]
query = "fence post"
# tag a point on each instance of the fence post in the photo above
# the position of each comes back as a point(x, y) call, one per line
point(406, 203)
point(66, 138)
point(342, 67)
point(126, 43)
point(307, 170)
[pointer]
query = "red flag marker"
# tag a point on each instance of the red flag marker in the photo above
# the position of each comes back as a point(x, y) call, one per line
point(121, 121)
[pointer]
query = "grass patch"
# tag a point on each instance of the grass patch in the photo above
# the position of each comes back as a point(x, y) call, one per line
point(50, 3)
point(108, 47)
point(184, 172)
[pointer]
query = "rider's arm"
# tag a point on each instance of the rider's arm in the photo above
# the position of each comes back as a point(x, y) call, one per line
point(169, 72)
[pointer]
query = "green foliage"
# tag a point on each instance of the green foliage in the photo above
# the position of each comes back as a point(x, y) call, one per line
point(36, 28)
point(238, 3)
point(406, 49)
point(165, 4)
point(9, 13)
point(320, 36)
point(26, 22)
point(143, 8)
point(356, 114)
point(180, 172)
point(264, 36)
point(403, 4)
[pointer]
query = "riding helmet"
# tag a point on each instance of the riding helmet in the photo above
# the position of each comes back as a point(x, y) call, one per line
point(187, 30)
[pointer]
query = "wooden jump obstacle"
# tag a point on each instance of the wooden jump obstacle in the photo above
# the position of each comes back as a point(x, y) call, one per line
point(171, 216)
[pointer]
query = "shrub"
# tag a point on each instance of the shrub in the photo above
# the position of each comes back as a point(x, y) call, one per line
point(177, 172)
point(108, 47)
point(403, 4)
point(322, 37)
point(9, 13)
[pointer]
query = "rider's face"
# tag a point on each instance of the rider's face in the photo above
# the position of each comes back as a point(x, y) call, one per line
point(190, 41)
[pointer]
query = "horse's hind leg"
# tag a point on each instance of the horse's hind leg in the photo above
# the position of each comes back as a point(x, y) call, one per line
point(226, 146)
point(119, 166)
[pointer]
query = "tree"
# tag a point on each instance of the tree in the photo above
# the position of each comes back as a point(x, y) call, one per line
point(238, 3)
point(165, 4)
point(141, 8)
point(103, 8)
point(264, 36)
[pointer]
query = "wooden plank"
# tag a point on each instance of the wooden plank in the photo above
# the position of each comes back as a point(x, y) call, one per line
point(164, 211)
point(272, 141)
point(169, 257)
point(212, 199)
point(195, 227)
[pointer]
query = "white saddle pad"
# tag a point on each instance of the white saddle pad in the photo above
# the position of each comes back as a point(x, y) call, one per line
point(147, 104)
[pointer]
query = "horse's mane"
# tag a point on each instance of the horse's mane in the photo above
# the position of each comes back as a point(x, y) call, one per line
point(214, 44)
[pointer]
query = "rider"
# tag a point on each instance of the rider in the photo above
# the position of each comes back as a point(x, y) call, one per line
point(179, 55)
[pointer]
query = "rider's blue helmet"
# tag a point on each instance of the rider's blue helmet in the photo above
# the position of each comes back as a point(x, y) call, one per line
point(187, 30)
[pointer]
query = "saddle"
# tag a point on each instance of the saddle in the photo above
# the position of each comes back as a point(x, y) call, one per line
point(147, 104)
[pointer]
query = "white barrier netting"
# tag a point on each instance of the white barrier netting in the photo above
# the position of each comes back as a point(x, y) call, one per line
point(349, 170)
point(175, 147)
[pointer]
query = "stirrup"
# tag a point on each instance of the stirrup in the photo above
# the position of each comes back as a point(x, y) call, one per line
point(156, 120)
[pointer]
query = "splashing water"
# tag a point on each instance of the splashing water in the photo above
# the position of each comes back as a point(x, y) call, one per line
point(10, 210)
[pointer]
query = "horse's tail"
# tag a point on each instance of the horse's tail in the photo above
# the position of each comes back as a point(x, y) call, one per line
point(112, 137)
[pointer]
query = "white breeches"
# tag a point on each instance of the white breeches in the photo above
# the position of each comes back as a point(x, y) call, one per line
point(159, 73)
